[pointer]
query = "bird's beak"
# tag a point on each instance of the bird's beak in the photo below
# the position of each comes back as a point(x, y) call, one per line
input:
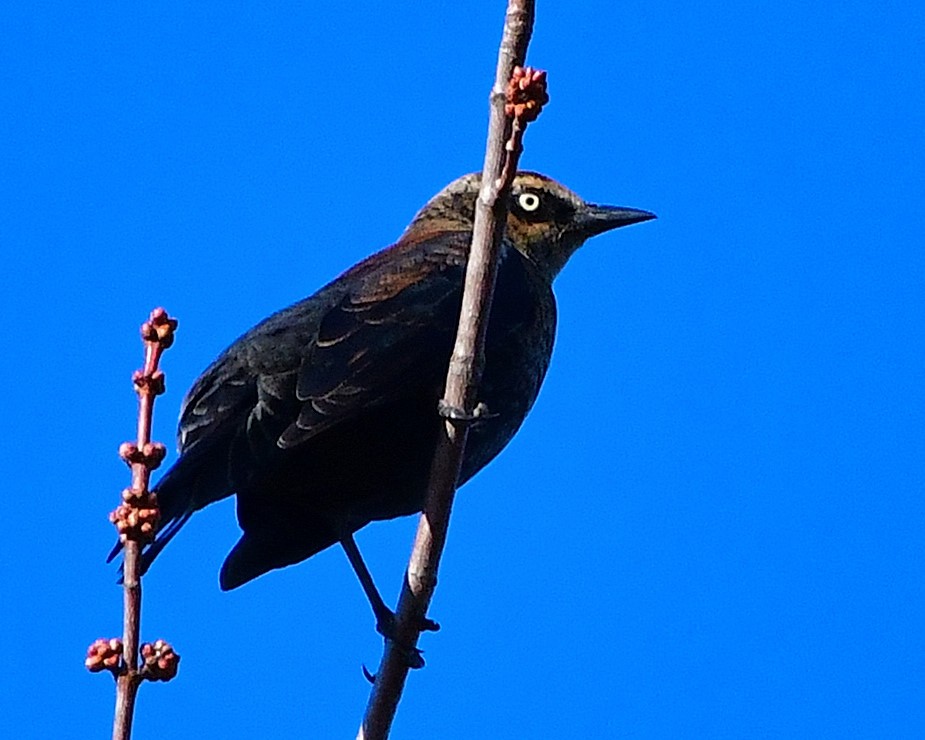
point(593, 220)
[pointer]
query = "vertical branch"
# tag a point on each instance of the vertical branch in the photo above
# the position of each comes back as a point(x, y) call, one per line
point(516, 97)
point(136, 522)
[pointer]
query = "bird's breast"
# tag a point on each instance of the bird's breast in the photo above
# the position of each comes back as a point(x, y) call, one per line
point(518, 348)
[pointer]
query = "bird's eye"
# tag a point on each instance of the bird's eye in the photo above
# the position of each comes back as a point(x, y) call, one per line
point(528, 201)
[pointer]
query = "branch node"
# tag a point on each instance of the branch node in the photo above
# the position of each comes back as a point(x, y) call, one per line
point(159, 328)
point(160, 662)
point(151, 454)
point(105, 655)
point(151, 384)
point(138, 520)
point(154, 454)
point(526, 94)
point(129, 452)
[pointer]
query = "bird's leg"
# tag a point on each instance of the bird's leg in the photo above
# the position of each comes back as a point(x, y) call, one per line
point(385, 617)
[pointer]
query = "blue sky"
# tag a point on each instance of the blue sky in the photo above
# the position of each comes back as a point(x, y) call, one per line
point(711, 524)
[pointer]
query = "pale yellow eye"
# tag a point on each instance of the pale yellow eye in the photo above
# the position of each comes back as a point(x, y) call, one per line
point(528, 201)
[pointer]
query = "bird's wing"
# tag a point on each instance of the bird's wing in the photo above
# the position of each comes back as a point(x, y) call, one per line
point(219, 399)
point(383, 326)
point(387, 338)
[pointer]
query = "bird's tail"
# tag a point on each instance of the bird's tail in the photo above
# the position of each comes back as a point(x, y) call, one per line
point(260, 551)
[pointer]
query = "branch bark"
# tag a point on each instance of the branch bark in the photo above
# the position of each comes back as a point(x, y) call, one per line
point(460, 396)
point(136, 521)
point(143, 457)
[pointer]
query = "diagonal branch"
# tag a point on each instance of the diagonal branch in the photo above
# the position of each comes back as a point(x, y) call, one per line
point(459, 403)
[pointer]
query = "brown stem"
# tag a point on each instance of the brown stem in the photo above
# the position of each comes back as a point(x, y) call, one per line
point(129, 680)
point(461, 386)
point(143, 457)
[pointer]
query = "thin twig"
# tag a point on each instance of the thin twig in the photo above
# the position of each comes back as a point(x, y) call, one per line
point(136, 521)
point(462, 377)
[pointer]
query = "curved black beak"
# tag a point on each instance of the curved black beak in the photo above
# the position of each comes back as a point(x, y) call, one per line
point(593, 219)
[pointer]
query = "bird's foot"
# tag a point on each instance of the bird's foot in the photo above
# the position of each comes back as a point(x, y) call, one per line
point(413, 656)
point(454, 413)
point(386, 623)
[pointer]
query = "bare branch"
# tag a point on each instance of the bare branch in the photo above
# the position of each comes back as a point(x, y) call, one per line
point(516, 97)
point(135, 520)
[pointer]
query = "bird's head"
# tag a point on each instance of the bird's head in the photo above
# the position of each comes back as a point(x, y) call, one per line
point(546, 221)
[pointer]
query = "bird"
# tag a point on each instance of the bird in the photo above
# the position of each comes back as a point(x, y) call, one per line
point(323, 417)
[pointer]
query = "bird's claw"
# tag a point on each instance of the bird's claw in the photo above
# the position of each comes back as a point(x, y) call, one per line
point(386, 626)
point(429, 625)
point(371, 677)
point(456, 414)
point(414, 657)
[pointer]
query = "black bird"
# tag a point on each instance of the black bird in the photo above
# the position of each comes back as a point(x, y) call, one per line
point(323, 417)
